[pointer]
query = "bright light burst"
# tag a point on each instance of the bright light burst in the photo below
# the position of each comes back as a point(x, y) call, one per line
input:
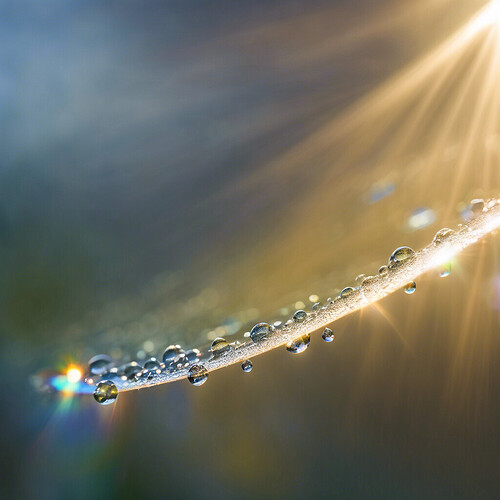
point(493, 12)
point(73, 374)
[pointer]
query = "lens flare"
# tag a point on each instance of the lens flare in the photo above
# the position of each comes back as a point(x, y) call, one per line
point(73, 374)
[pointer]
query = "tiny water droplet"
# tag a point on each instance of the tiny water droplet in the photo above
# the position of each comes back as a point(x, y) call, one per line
point(368, 280)
point(383, 270)
point(300, 344)
point(220, 346)
point(316, 306)
point(198, 375)
point(410, 287)
point(299, 316)
point(400, 255)
point(105, 392)
point(442, 235)
point(477, 206)
point(182, 361)
point(346, 292)
point(247, 366)
point(171, 352)
point(359, 278)
point(328, 335)
point(99, 364)
point(260, 331)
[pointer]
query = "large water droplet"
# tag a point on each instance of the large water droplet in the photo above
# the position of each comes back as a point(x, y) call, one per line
point(99, 364)
point(105, 392)
point(410, 287)
point(346, 292)
point(442, 235)
point(299, 316)
point(328, 335)
point(400, 255)
point(220, 346)
point(171, 352)
point(260, 331)
point(198, 375)
point(247, 366)
point(300, 344)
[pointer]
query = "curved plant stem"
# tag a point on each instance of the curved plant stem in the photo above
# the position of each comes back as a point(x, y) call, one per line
point(428, 258)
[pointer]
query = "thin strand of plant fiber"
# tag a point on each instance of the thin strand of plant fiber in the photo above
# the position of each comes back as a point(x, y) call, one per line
point(428, 258)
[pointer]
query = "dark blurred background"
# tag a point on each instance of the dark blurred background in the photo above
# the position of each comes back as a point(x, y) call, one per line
point(173, 171)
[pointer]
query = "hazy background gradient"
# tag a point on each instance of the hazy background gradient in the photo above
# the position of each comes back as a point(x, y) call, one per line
point(170, 167)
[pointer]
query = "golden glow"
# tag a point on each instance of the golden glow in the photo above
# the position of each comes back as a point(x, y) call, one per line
point(73, 374)
point(444, 256)
point(493, 12)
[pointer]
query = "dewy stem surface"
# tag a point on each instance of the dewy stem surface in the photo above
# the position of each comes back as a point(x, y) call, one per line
point(424, 260)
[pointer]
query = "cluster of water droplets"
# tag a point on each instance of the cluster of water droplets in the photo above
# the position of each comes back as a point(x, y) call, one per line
point(108, 377)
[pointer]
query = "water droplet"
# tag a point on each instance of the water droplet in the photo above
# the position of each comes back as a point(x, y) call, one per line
point(260, 331)
point(442, 235)
point(151, 364)
point(300, 344)
point(198, 375)
point(316, 306)
point(131, 370)
point(105, 392)
point(220, 346)
point(477, 206)
point(445, 270)
point(247, 366)
point(400, 255)
point(410, 287)
point(99, 364)
point(346, 292)
point(193, 355)
point(171, 352)
point(383, 270)
point(328, 335)
point(359, 278)
point(299, 316)
point(368, 280)
point(182, 361)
